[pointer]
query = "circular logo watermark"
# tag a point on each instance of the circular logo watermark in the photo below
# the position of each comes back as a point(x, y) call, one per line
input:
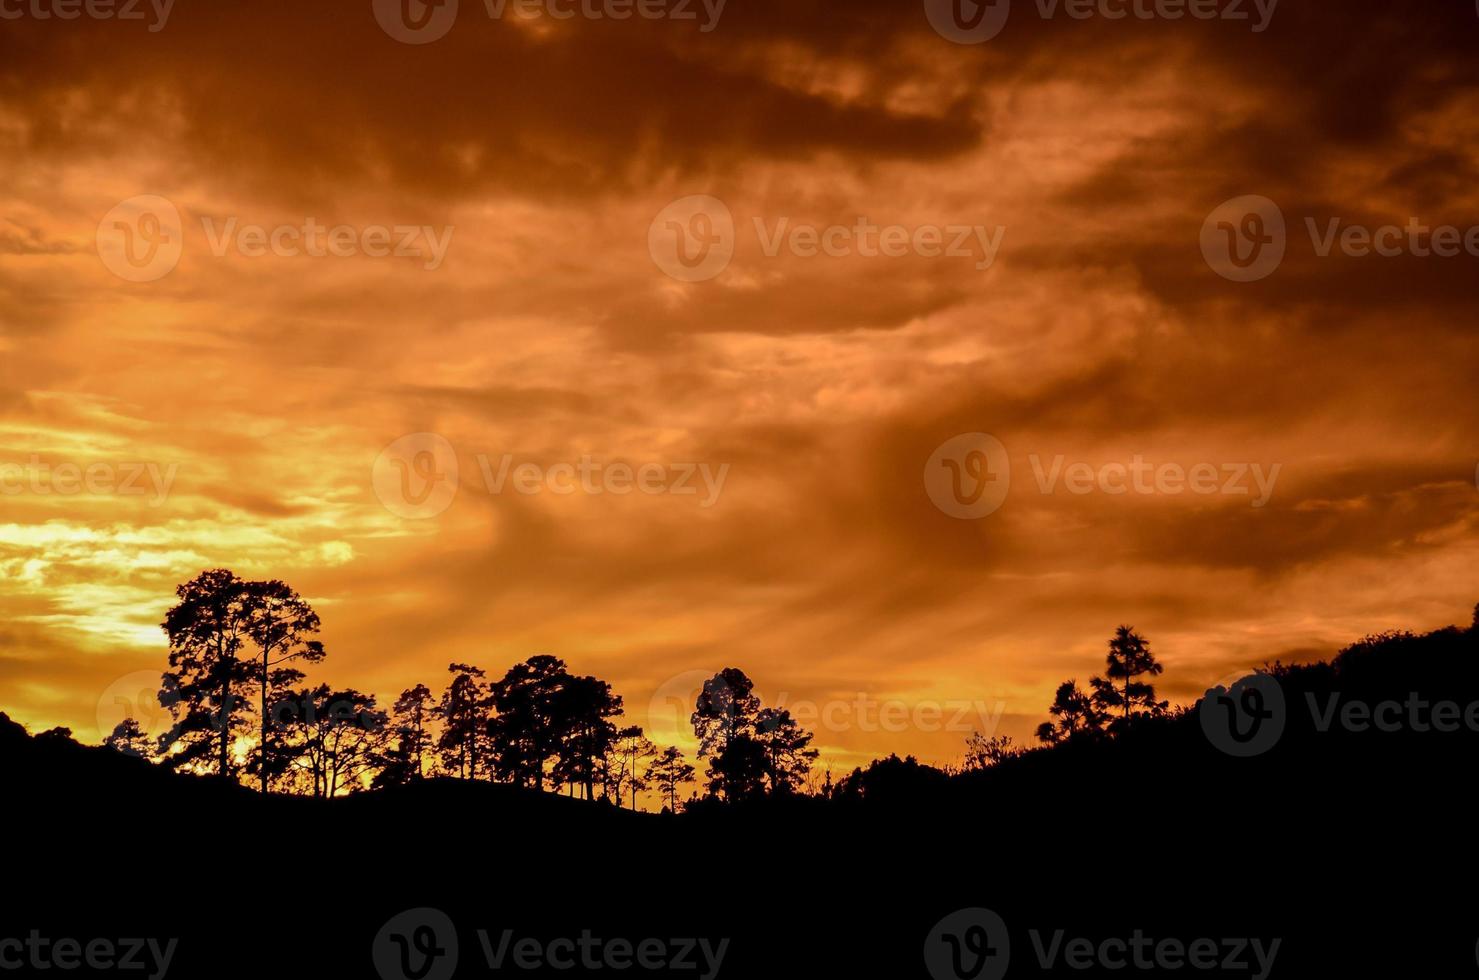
point(1245, 239)
point(968, 21)
point(971, 944)
point(142, 238)
point(692, 239)
point(968, 476)
point(1244, 716)
point(417, 944)
point(135, 696)
point(416, 477)
point(416, 21)
point(670, 712)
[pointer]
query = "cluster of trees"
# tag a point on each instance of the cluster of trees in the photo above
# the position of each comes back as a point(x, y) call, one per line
point(1112, 700)
point(1111, 703)
point(537, 726)
point(752, 750)
point(234, 650)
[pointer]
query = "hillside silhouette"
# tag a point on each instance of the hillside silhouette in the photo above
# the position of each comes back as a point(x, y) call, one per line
point(1347, 840)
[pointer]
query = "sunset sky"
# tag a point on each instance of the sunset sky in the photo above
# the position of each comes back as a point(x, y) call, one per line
point(551, 326)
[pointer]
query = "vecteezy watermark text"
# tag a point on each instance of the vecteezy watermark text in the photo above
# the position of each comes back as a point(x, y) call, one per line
point(591, 476)
point(976, 943)
point(142, 239)
point(425, 21)
point(673, 701)
point(694, 238)
point(422, 944)
point(978, 21)
point(1230, 957)
point(1168, 479)
point(341, 241)
point(91, 9)
point(132, 479)
point(419, 475)
point(1246, 239)
point(1246, 716)
point(37, 953)
point(968, 477)
point(591, 952)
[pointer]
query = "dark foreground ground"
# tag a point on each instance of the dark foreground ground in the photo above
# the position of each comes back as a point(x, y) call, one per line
point(1351, 849)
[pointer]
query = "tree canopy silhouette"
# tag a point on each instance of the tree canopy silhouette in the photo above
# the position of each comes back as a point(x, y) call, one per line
point(1129, 658)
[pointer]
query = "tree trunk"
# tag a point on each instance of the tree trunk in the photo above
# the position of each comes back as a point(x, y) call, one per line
point(224, 720)
point(264, 721)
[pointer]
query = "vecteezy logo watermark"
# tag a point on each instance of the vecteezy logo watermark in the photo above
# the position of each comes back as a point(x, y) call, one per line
point(37, 953)
point(92, 9)
point(418, 944)
point(143, 238)
point(417, 476)
point(1232, 957)
point(968, 476)
point(978, 21)
point(1244, 716)
point(968, 21)
point(134, 696)
point(1246, 239)
point(693, 239)
point(970, 944)
point(425, 21)
point(134, 479)
point(415, 21)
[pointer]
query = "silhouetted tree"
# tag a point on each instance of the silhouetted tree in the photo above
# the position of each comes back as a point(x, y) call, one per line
point(207, 630)
point(669, 771)
point(726, 707)
point(582, 709)
point(787, 749)
point(527, 731)
point(828, 789)
point(464, 715)
point(279, 623)
point(739, 771)
point(1075, 712)
point(1129, 658)
point(623, 768)
point(274, 756)
point(127, 737)
point(331, 736)
point(404, 761)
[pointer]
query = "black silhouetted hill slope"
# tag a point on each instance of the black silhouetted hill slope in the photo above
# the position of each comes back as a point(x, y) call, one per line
point(1349, 845)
